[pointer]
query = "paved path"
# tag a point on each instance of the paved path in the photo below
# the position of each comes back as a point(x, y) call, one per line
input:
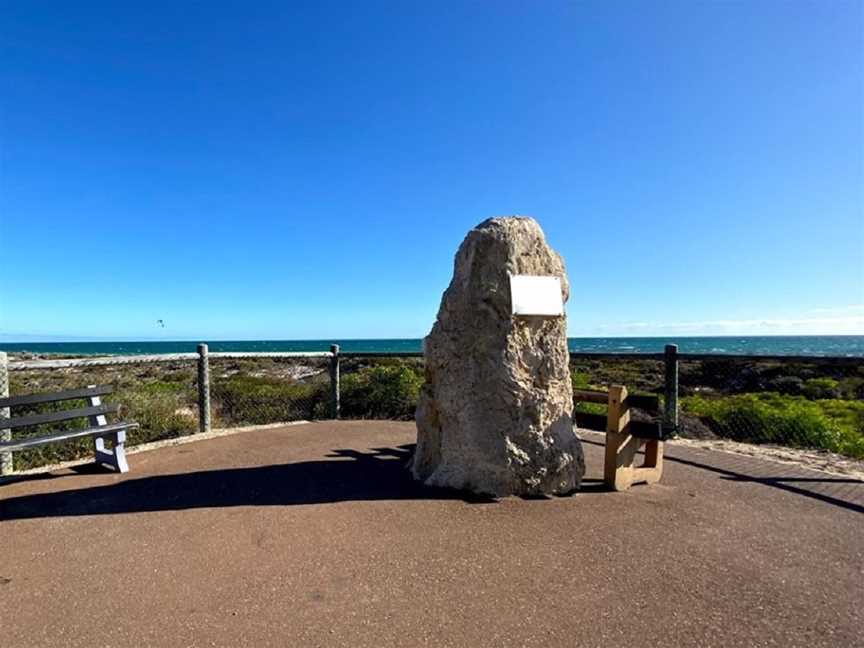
point(313, 535)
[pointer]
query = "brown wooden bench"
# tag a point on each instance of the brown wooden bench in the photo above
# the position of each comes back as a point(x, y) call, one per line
point(624, 436)
point(98, 427)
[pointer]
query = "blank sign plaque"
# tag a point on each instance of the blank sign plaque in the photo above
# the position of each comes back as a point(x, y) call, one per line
point(532, 295)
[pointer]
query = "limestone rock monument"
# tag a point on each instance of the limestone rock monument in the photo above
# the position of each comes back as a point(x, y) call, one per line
point(496, 413)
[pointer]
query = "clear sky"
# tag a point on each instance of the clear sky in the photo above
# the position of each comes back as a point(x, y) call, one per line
point(307, 169)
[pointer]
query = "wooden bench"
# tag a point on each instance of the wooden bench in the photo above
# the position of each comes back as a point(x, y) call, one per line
point(625, 437)
point(98, 427)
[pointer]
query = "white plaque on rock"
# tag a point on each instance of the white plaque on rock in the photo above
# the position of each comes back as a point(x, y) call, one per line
point(531, 295)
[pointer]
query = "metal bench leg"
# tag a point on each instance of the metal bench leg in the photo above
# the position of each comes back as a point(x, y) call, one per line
point(114, 458)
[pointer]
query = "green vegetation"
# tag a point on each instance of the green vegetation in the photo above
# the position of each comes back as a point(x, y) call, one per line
point(252, 400)
point(771, 417)
point(387, 391)
point(161, 412)
point(815, 388)
point(582, 380)
point(642, 376)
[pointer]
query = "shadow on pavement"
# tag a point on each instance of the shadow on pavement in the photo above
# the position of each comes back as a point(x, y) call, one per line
point(346, 475)
point(783, 483)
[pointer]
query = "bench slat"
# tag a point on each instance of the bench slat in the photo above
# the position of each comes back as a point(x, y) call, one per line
point(63, 435)
point(647, 431)
point(646, 402)
point(597, 422)
point(54, 417)
point(53, 397)
point(591, 396)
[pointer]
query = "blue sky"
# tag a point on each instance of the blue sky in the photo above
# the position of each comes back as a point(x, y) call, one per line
point(307, 170)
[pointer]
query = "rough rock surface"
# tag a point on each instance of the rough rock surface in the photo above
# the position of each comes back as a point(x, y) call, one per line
point(496, 413)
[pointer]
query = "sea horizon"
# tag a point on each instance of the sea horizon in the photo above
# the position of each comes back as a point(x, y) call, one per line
point(808, 345)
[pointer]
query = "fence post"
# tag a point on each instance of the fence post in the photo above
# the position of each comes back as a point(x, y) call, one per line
point(5, 434)
point(335, 406)
point(203, 389)
point(670, 393)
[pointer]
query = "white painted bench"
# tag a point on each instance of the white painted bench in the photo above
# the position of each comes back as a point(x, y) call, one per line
point(98, 427)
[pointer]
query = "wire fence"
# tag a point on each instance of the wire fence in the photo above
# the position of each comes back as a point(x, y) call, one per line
point(808, 402)
point(794, 401)
point(254, 391)
point(799, 402)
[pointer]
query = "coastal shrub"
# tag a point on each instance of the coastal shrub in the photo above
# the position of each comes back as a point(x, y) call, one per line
point(770, 417)
point(582, 380)
point(589, 408)
point(845, 413)
point(162, 387)
point(253, 400)
point(851, 388)
point(387, 391)
point(162, 411)
point(637, 374)
point(792, 385)
point(724, 375)
point(816, 388)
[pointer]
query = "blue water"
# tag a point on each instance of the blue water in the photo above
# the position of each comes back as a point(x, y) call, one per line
point(817, 345)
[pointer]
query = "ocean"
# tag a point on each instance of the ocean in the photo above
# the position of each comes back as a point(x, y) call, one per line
point(808, 345)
